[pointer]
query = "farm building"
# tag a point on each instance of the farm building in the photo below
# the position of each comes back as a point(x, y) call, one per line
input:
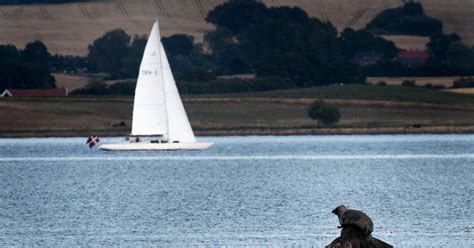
point(413, 57)
point(34, 92)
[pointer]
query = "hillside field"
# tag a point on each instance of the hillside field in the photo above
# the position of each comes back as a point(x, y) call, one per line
point(364, 109)
point(70, 28)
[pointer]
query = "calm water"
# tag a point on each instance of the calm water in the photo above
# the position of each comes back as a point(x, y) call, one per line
point(243, 191)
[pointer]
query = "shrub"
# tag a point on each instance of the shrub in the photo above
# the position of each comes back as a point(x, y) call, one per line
point(97, 87)
point(434, 86)
point(124, 88)
point(234, 85)
point(381, 83)
point(464, 83)
point(409, 83)
point(93, 87)
point(196, 74)
point(324, 113)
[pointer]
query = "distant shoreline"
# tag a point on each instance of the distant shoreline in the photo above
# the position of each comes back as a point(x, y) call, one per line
point(254, 132)
point(364, 109)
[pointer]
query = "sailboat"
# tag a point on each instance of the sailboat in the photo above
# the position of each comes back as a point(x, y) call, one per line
point(158, 112)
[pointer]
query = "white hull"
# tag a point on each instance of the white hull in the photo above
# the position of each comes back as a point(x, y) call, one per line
point(147, 146)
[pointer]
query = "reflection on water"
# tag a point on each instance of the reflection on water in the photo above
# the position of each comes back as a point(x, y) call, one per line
point(242, 191)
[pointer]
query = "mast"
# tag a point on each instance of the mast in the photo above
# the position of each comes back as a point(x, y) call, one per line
point(163, 79)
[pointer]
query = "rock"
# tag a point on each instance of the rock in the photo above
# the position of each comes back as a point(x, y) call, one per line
point(353, 237)
point(118, 124)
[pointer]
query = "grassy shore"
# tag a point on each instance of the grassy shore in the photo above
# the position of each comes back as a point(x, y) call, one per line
point(364, 109)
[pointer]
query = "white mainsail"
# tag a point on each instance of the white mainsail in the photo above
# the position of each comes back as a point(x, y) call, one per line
point(158, 109)
point(149, 117)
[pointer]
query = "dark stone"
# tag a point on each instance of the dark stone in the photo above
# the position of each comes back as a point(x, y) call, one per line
point(353, 237)
point(118, 124)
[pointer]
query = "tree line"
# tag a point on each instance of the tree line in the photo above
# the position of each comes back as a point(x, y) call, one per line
point(448, 56)
point(282, 46)
point(283, 41)
point(27, 68)
point(278, 41)
point(119, 55)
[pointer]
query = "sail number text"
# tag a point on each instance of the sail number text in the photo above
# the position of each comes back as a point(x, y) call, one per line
point(146, 72)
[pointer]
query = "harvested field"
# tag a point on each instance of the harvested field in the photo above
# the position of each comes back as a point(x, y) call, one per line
point(408, 42)
point(69, 28)
point(469, 91)
point(70, 82)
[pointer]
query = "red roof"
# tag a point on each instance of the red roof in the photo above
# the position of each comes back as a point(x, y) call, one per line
point(413, 54)
point(38, 92)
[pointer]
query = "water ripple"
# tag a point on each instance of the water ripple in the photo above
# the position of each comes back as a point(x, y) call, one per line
point(226, 158)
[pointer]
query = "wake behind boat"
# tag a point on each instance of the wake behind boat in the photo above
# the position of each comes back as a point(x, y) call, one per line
point(158, 112)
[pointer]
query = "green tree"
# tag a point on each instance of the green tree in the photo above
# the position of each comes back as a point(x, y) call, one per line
point(10, 59)
point(178, 44)
point(324, 113)
point(305, 52)
point(35, 67)
point(120, 56)
point(226, 52)
point(410, 19)
point(131, 62)
point(459, 54)
point(196, 74)
point(353, 42)
point(124, 88)
point(183, 53)
point(28, 68)
point(236, 15)
point(439, 44)
point(107, 53)
point(67, 63)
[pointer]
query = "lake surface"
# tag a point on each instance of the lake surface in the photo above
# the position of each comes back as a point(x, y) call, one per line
point(418, 190)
